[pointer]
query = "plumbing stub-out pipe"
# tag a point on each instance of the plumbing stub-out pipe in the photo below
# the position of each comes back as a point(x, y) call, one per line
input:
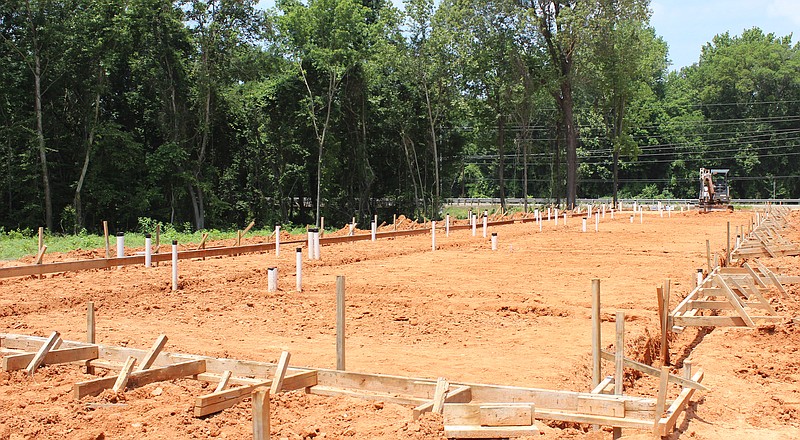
point(174, 265)
point(494, 241)
point(583, 229)
point(433, 235)
point(148, 250)
point(277, 240)
point(699, 277)
point(298, 265)
point(316, 244)
point(272, 279)
point(120, 246)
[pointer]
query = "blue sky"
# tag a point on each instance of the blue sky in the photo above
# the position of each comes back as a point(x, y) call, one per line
point(687, 25)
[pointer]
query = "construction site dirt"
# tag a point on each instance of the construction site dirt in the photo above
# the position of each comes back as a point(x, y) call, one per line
point(517, 316)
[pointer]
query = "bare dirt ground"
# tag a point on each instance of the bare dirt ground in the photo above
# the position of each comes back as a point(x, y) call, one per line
point(516, 316)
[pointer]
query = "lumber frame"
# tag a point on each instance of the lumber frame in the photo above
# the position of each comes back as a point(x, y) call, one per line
point(653, 371)
point(219, 400)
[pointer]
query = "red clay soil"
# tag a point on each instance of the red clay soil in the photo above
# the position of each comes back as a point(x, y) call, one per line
point(518, 316)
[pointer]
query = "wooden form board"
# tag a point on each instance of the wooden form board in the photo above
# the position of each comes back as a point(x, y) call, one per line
point(219, 400)
point(140, 378)
point(20, 361)
point(549, 404)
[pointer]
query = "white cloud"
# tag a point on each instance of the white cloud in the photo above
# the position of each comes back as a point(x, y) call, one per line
point(785, 9)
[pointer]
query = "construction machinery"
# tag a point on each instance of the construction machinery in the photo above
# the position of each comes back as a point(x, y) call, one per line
point(714, 190)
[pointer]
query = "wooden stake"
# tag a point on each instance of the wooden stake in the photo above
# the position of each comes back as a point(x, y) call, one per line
point(261, 413)
point(280, 373)
point(239, 237)
point(619, 353)
point(42, 352)
point(249, 227)
point(439, 395)
point(41, 237)
point(39, 257)
point(665, 323)
point(708, 254)
point(124, 375)
point(340, 339)
point(202, 244)
point(596, 333)
point(90, 335)
point(153, 353)
point(223, 381)
point(661, 401)
point(728, 247)
point(105, 234)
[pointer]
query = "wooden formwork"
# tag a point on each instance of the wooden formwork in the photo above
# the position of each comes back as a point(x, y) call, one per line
point(469, 410)
point(765, 238)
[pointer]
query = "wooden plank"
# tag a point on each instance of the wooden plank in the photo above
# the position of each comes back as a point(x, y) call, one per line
point(38, 358)
point(462, 394)
point(724, 305)
point(40, 255)
point(153, 353)
point(223, 381)
point(509, 414)
point(653, 371)
point(665, 325)
point(280, 372)
point(765, 270)
point(261, 413)
point(666, 424)
point(737, 305)
point(20, 361)
point(721, 321)
point(662, 397)
point(598, 407)
point(601, 388)
point(219, 400)
point(442, 385)
point(489, 414)
point(378, 396)
point(627, 422)
point(753, 274)
point(124, 374)
point(140, 378)
point(489, 432)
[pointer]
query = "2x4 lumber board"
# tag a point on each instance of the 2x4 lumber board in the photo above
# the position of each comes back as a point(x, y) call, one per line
point(223, 381)
point(721, 321)
point(489, 414)
point(666, 424)
point(442, 385)
point(786, 279)
point(398, 399)
point(601, 388)
point(153, 353)
point(280, 373)
point(261, 413)
point(754, 275)
point(737, 305)
point(653, 371)
point(597, 406)
point(140, 378)
point(124, 374)
point(487, 432)
point(662, 398)
point(38, 358)
point(461, 394)
point(232, 380)
point(630, 421)
point(725, 305)
point(219, 400)
point(61, 356)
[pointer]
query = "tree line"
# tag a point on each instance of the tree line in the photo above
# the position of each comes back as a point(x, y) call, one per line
point(216, 112)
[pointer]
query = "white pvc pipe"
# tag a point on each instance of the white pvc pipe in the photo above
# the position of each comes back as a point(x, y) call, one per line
point(316, 244)
point(277, 240)
point(352, 226)
point(565, 219)
point(433, 235)
point(604, 210)
point(699, 277)
point(556, 216)
point(474, 225)
point(612, 213)
point(272, 279)
point(631, 218)
point(583, 229)
point(148, 250)
point(120, 246)
point(310, 233)
point(548, 214)
point(485, 223)
point(298, 267)
point(494, 241)
point(174, 265)
point(374, 228)
point(738, 240)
